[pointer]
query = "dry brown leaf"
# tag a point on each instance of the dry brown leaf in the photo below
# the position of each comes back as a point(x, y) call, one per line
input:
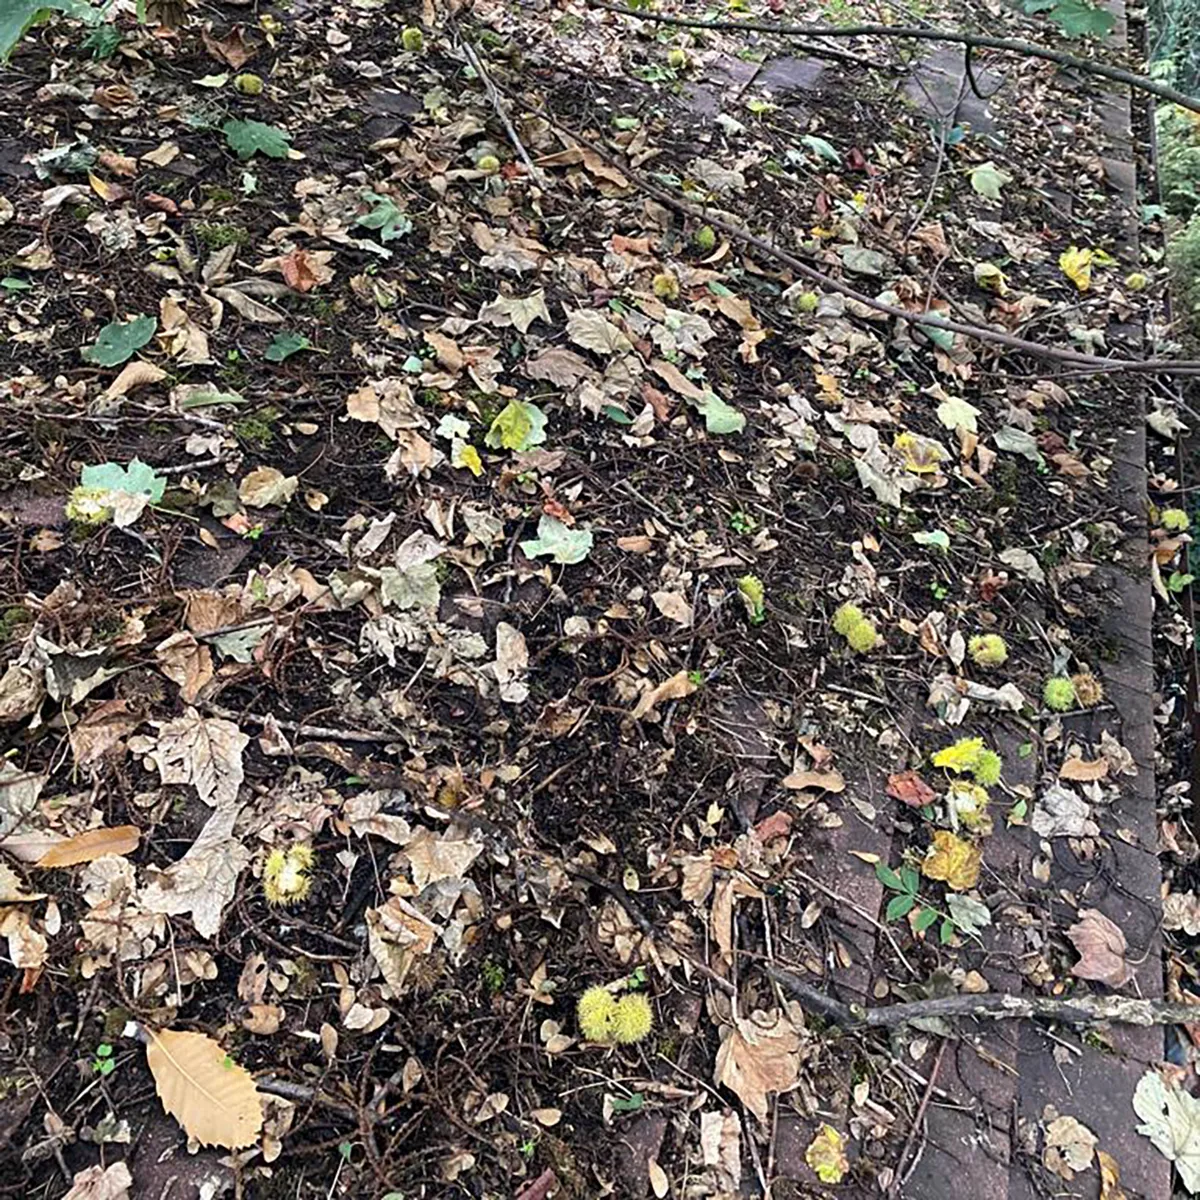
point(27, 946)
point(185, 661)
point(660, 1185)
point(673, 606)
point(909, 788)
point(1110, 1177)
point(213, 1098)
point(104, 729)
point(12, 888)
point(676, 688)
point(134, 375)
point(263, 1019)
point(101, 1183)
point(560, 366)
point(758, 1055)
point(95, 843)
point(203, 751)
point(1101, 946)
point(1080, 770)
point(397, 934)
point(436, 856)
point(1069, 1149)
point(826, 781)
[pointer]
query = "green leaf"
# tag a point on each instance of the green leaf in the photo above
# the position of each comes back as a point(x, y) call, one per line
point(248, 138)
point(910, 880)
point(946, 932)
point(821, 148)
point(719, 417)
point(932, 537)
point(285, 345)
point(390, 221)
point(888, 877)
point(119, 340)
point(956, 413)
point(518, 426)
point(137, 479)
point(1076, 18)
point(987, 179)
point(899, 906)
point(969, 914)
point(633, 1104)
point(559, 542)
point(204, 395)
point(16, 17)
point(10, 283)
point(923, 919)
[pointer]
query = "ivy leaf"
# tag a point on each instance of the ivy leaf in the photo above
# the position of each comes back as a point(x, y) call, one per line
point(119, 340)
point(987, 179)
point(559, 542)
point(248, 138)
point(285, 345)
point(16, 17)
point(388, 220)
point(518, 426)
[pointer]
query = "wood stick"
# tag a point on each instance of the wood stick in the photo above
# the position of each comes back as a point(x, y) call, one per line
point(919, 33)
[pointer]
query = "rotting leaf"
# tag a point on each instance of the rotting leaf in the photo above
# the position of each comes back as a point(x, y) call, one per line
point(988, 179)
point(1171, 1120)
point(826, 1154)
point(759, 1055)
point(203, 751)
point(518, 426)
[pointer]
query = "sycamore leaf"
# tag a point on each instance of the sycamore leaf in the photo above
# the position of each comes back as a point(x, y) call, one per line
point(516, 311)
point(953, 861)
point(757, 1056)
point(518, 426)
point(957, 413)
point(558, 541)
point(1171, 1120)
point(589, 328)
point(987, 179)
point(248, 138)
point(826, 1154)
point(203, 751)
point(137, 479)
point(213, 1098)
point(119, 340)
point(93, 844)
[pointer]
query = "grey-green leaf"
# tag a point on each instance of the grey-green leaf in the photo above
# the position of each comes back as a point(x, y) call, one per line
point(559, 542)
point(119, 341)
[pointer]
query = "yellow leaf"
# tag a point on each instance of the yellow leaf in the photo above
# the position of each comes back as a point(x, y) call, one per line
point(921, 454)
point(213, 1098)
point(95, 843)
point(1076, 265)
point(991, 278)
point(466, 455)
point(962, 756)
point(953, 861)
point(826, 1154)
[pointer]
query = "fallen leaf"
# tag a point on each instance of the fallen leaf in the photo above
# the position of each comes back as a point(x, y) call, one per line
point(1171, 1120)
point(1081, 770)
point(673, 606)
point(12, 888)
point(1101, 947)
point(1070, 1147)
point(660, 1185)
point(203, 751)
point(101, 1183)
point(134, 375)
point(397, 935)
point(825, 781)
point(589, 328)
point(952, 860)
point(185, 661)
point(95, 843)
point(512, 664)
point(267, 487)
point(909, 788)
point(1110, 1177)
point(212, 1097)
point(759, 1054)
point(676, 688)
point(826, 1154)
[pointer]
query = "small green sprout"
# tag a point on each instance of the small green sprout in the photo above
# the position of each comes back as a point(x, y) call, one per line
point(750, 588)
point(104, 1063)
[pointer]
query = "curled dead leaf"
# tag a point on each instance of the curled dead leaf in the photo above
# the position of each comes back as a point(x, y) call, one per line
point(95, 843)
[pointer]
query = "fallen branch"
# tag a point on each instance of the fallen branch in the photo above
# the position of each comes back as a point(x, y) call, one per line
point(497, 103)
point(997, 1006)
point(1083, 363)
point(919, 33)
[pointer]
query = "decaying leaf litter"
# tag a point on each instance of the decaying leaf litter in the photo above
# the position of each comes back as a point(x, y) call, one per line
point(440, 590)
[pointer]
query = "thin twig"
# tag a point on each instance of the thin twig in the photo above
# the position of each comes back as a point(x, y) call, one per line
point(1073, 358)
point(498, 104)
point(918, 1120)
point(302, 730)
point(924, 34)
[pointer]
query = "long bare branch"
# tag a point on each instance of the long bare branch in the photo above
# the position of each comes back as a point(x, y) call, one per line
point(918, 33)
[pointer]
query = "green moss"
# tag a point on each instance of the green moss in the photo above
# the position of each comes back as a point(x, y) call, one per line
point(216, 235)
point(256, 430)
point(217, 196)
point(844, 469)
point(13, 620)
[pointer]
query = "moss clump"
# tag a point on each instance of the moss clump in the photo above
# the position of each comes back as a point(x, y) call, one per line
point(257, 429)
point(988, 650)
point(1174, 520)
point(216, 235)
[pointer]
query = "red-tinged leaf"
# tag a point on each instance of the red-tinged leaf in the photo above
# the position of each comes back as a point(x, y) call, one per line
point(909, 788)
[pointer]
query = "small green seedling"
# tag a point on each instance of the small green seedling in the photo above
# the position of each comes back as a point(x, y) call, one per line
point(104, 1063)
